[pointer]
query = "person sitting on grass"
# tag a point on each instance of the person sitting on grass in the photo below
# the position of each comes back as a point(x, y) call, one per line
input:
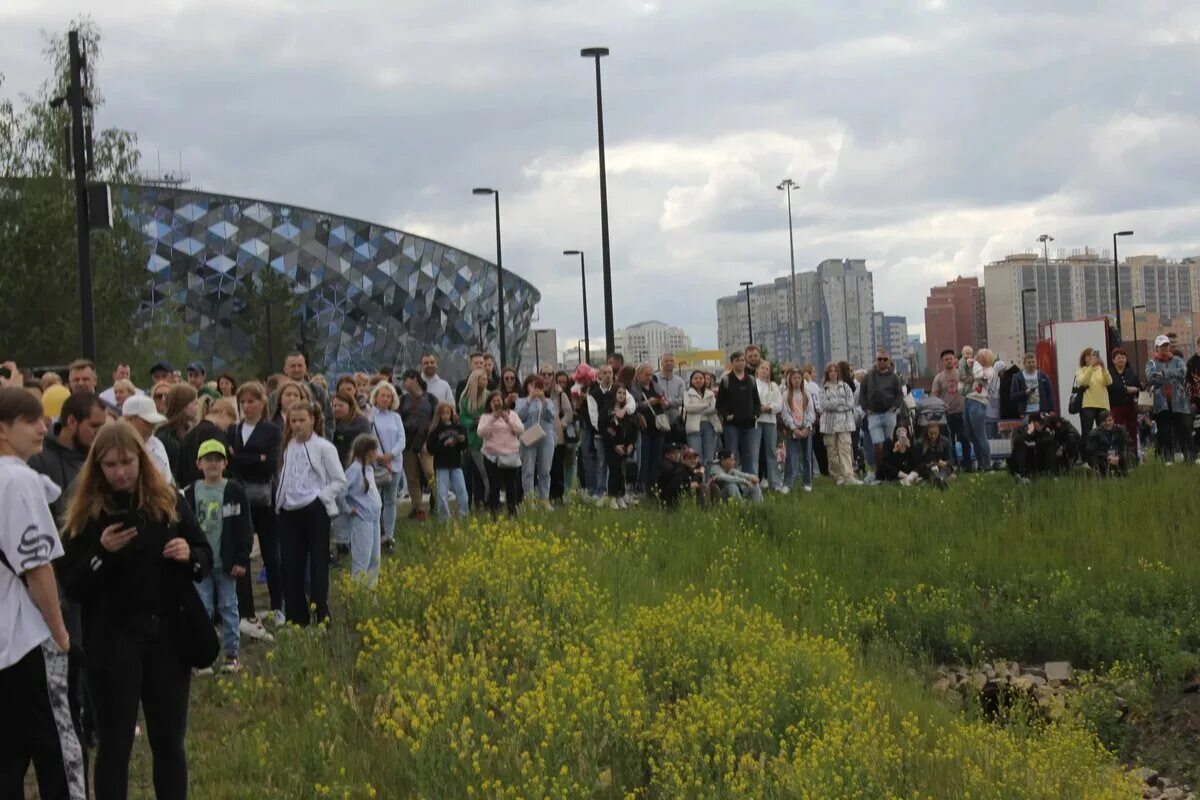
point(894, 461)
point(697, 481)
point(1033, 450)
point(1068, 443)
point(933, 459)
point(732, 482)
point(1108, 448)
point(223, 512)
point(674, 477)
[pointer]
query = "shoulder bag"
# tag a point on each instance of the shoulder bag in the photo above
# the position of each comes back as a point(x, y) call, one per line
point(192, 629)
point(383, 475)
point(1075, 405)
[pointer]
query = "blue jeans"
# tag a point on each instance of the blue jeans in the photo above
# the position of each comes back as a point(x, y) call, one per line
point(387, 518)
point(650, 449)
point(447, 480)
point(958, 433)
point(976, 418)
point(735, 492)
point(867, 443)
point(535, 466)
point(881, 427)
point(365, 544)
point(224, 586)
point(743, 444)
point(799, 462)
point(768, 440)
point(704, 442)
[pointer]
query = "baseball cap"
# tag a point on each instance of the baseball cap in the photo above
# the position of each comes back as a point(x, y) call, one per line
point(140, 405)
point(211, 447)
point(672, 447)
point(1161, 340)
point(689, 453)
point(197, 366)
point(162, 366)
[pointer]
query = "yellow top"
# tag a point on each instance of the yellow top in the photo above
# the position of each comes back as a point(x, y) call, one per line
point(1096, 379)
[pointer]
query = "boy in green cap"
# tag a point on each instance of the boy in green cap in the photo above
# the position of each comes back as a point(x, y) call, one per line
point(224, 514)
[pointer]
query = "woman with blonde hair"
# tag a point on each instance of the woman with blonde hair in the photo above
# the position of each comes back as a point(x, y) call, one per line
point(388, 427)
point(838, 425)
point(133, 551)
point(182, 410)
point(471, 406)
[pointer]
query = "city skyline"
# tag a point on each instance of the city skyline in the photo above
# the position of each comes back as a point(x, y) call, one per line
point(926, 173)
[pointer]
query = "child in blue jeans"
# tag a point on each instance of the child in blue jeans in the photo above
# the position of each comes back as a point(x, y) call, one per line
point(224, 515)
point(447, 442)
point(363, 506)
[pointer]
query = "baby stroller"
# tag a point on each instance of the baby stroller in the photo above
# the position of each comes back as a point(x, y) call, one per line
point(931, 411)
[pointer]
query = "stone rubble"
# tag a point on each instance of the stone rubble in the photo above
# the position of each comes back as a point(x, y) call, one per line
point(1003, 684)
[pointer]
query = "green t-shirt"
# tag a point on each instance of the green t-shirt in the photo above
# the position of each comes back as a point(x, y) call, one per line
point(210, 500)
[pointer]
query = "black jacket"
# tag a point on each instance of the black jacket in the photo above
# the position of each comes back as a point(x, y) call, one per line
point(445, 445)
point(237, 535)
point(1033, 454)
point(173, 444)
point(417, 415)
point(928, 454)
point(130, 594)
point(674, 478)
point(1100, 442)
point(893, 462)
point(187, 472)
point(60, 464)
point(343, 434)
point(619, 431)
point(246, 462)
point(1118, 397)
point(738, 399)
point(881, 392)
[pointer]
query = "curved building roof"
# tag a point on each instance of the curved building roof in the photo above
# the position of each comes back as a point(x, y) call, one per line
point(376, 295)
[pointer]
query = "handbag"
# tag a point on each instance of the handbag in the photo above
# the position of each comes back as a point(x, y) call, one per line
point(192, 629)
point(258, 495)
point(1145, 400)
point(506, 460)
point(532, 435)
point(1075, 405)
point(662, 423)
point(383, 475)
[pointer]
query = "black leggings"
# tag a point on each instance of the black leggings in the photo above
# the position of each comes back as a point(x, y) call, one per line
point(263, 518)
point(1087, 421)
point(616, 470)
point(304, 541)
point(149, 671)
point(506, 478)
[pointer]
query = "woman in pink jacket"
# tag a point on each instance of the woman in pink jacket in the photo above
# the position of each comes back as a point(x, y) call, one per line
point(500, 429)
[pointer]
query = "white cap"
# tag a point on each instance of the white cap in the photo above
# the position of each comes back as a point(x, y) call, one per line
point(140, 405)
point(1161, 340)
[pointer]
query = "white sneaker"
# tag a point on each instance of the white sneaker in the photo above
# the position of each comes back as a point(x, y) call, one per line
point(622, 503)
point(853, 482)
point(783, 490)
point(255, 630)
point(808, 488)
point(841, 481)
point(276, 618)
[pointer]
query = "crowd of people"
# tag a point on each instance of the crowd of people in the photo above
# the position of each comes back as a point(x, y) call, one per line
point(137, 504)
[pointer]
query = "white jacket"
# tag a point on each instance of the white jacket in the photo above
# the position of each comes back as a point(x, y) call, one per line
point(771, 399)
point(699, 408)
point(323, 457)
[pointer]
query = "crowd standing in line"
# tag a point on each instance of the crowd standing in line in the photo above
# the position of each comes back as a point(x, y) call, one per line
point(134, 501)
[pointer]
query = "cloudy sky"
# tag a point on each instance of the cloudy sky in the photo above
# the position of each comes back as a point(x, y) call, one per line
point(929, 136)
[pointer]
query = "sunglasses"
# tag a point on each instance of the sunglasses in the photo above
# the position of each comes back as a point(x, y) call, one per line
point(883, 360)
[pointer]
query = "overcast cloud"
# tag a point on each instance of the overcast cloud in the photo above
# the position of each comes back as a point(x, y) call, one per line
point(929, 137)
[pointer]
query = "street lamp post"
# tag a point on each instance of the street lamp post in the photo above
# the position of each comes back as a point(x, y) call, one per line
point(1117, 280)
point(749, 320)
point(609, 334)
point(499, 269)
point(587, 341)
point(1024, 322)
point(786, 186)
point(1137, 362)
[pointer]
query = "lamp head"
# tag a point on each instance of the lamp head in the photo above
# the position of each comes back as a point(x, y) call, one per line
point(1123, 233)
point(593, 52)
point(572, 253)
point(482, 190)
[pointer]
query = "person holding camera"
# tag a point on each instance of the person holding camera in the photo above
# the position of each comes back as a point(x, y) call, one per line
point(1093, 379)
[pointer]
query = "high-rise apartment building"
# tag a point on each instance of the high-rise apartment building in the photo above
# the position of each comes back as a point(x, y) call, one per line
point(647, 341)
point(834, 308)
point(1080, 286)
point(955, 316)
point(891, 335)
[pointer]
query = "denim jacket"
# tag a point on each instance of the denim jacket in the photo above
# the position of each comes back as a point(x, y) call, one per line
point(1170, 373)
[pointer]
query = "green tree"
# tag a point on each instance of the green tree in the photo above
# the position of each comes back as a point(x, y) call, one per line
point(272, 317)
point(39, 284)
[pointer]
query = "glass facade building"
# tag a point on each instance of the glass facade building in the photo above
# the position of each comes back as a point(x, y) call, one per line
point(377, 296)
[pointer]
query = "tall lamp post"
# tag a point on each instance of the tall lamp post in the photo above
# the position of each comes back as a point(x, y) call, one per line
point(1137, 361)
point(499, 269)
point(609, 334)
point(1117, 279)
point(1024, 322)
point(749, 321)
point(587, 340)
point(786, 186)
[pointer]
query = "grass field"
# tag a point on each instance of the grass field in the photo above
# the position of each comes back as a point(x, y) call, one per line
point(781, 650)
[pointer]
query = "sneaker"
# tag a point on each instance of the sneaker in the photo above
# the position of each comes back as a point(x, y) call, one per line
point(231, 664)
point(841, 481)
point(276, 618)
point(808, 488)
point(783, 490)
point(853, 482)
point(388, 545)
point(254, 629)
point(205, 672)
point(622, 503)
